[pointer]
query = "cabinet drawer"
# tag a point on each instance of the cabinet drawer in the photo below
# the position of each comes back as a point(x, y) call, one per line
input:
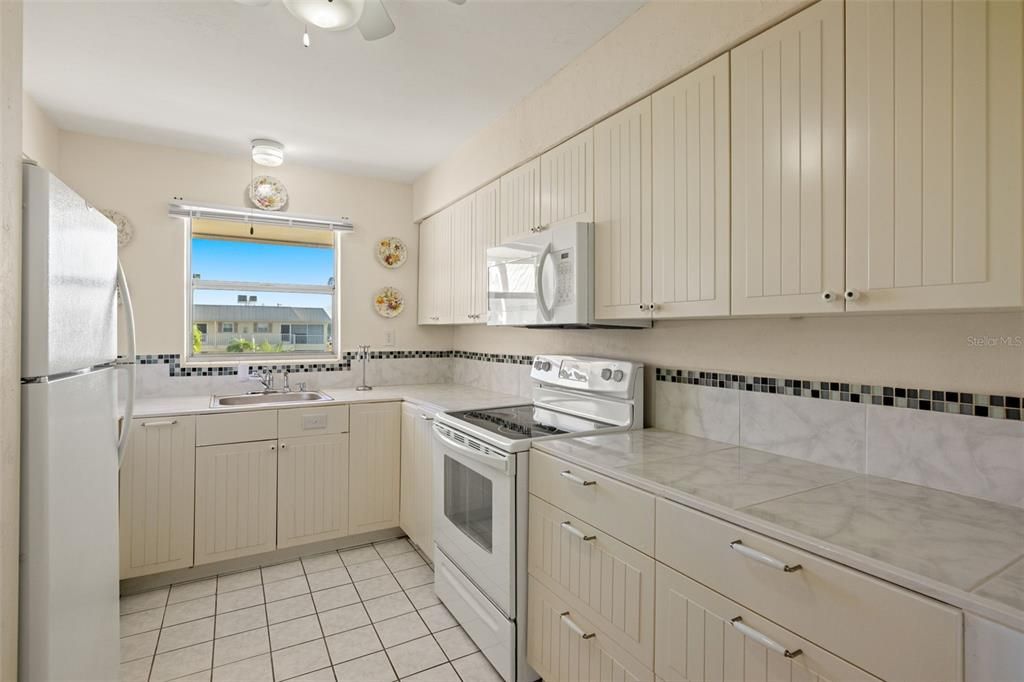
point(236, 427)
point(697, 640)
point(562, 646)
point(610, 583)
point(312, 421)
point(615, 508)
point(891, 632)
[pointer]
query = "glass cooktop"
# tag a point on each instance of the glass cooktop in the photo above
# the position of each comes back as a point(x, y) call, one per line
point(526, 421)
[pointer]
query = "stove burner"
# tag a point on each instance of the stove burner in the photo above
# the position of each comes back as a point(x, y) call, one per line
point(514, 422)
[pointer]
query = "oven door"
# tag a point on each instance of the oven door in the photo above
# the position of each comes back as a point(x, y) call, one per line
point(475, 514)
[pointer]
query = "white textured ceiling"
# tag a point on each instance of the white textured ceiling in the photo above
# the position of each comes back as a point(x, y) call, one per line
point(210, 75)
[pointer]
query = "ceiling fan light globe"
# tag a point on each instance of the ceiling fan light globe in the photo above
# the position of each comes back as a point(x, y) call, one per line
point(267, 152)
point(330, 15)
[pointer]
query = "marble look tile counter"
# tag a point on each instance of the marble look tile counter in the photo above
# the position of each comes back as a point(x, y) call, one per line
point(961, 550)
point(440, 397)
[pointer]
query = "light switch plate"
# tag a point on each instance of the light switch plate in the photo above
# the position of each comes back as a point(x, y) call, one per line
point(389, 337)
point(314, 421)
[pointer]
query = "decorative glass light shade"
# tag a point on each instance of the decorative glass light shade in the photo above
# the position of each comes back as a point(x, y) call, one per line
point(267, 152)
point(330, 15)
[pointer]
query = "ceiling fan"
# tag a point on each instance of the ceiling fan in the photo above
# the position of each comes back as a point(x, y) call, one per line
point(369, 16)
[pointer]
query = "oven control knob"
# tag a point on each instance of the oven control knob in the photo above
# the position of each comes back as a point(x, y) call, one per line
point(546, 366)
point(537, 364)
point(617, 375)
point(606, 374)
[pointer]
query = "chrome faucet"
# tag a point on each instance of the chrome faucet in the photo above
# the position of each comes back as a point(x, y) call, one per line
point(266, 377)
point(287, 388)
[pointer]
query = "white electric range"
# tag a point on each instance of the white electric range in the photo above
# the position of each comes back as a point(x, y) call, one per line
point(481, 481)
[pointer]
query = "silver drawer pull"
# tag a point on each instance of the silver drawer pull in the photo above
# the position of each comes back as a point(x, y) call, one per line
point(576, 628)
point(762, 557)
point(165, 422)
point(763, 639)
point(569, 476)
point(577, 532)
point(426, 418)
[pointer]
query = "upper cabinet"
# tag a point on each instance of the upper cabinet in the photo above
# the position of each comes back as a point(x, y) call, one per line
point(622, 214)
point(690, 121)
point(485, 235)
point(567, 181)
point(788, 136)
point(465, 251)
point(934, 167)
point(520, 201)
point(435, 269)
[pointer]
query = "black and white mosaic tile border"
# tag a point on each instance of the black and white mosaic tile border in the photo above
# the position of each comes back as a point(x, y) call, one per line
point(500, 358)
point(928, 399)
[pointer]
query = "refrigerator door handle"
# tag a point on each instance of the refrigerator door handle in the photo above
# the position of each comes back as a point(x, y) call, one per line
point(129, 402)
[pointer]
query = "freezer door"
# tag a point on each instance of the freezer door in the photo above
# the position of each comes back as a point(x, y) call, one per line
point(68, 621)
point(69, 280)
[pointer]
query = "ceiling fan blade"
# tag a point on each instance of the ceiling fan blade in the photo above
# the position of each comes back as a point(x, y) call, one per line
point(375, 23)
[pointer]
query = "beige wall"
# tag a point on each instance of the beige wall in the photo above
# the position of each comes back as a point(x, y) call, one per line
point(933, 350)
point(10, 330)
point(657, 44)
point(139, 179)
point(40, 137)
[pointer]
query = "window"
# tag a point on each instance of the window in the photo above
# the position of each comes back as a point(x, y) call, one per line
point(259, 290)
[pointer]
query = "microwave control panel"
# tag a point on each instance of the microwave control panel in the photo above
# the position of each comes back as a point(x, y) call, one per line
point(564, 278)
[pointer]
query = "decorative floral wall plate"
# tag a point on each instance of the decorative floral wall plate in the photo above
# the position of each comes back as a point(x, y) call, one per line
point(124, 226)
point(392, 252)
point(389, 302)
point(268, 193)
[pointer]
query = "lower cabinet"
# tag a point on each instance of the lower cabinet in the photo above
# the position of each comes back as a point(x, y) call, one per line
point(374, 463)
point(312, 489)
point(562, 646)
point(236, 500)
point(157, 498)
point(417, 494)
point(701, 636)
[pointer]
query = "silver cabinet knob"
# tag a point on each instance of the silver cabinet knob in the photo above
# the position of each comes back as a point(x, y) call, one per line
point(829, 296)
point(851, 294)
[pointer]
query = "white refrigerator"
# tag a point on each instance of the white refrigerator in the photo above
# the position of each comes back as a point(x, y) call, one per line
point(71, 446)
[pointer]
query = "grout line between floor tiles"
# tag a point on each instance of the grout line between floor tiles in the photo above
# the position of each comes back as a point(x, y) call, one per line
point(266, 616)
point(316, 614)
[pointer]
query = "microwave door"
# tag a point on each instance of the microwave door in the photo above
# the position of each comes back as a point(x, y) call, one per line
point(512, 292)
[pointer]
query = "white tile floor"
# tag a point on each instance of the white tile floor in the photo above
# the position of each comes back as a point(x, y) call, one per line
point(363, 615)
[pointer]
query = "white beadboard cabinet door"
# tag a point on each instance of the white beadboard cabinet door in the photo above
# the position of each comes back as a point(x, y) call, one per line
point(935, 158)
point(611, 583)
point(691, 222)
point(622, 214)
point(519, 204)
point(788, 167)
point(157, 496)
point(236, 500)
point(567, 181)
point(464, 249)
point(375, 444)
point(312, 489)
point(697, 642)
point(486, 206)
point(435, 269)
point(417, 494)
point(564, 647)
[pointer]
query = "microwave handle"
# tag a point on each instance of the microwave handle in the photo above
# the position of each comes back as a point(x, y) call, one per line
point(542, 305)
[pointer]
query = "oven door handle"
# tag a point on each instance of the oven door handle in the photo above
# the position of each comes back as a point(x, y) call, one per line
point(490, 460)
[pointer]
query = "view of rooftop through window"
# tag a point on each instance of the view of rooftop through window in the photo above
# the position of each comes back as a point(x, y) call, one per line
point(284, 313)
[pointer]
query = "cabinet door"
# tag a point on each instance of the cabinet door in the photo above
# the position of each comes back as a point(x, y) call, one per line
point(375, 443)
point(157, 496)
point(417, 477)
point(567, 181)
point(622, 214)
point(464, 252)
point(697, 641)
point(236, 500)
point(934, 166)
point(486, 235)
point(520, 201)
point(435, 275)
point(788, 166)
point(690, 121)
point(312, 489)
point(564, 647)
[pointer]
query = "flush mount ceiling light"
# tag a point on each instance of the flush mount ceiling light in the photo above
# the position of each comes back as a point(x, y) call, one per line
point(267, 152)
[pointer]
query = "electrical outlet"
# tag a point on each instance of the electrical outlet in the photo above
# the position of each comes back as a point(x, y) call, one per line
point(389, 337)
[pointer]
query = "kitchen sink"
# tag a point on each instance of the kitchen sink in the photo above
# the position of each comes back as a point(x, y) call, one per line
point(269, 398)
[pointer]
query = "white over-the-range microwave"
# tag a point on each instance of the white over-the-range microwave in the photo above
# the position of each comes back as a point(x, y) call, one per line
point(546, 279)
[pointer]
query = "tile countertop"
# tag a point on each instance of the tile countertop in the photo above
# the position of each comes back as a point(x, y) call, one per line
point(442, 397)
point(961, 550)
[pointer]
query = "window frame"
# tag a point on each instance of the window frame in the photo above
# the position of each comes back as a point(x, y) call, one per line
point(191, 359)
